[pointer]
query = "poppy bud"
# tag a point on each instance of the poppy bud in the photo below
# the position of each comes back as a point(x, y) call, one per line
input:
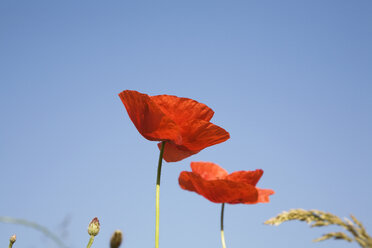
point(93, 228)
point(13, 239)
point(116, 239)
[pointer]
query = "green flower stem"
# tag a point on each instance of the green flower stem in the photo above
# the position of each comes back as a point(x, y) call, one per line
point(157, 205)
point(90, 241)
point(10, 244)
point(222, 234)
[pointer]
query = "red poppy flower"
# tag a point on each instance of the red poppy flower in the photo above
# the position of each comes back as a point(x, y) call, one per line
point(182, 122)
point(215, 184)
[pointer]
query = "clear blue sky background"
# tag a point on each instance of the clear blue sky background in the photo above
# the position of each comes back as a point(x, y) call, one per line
point(290, 80)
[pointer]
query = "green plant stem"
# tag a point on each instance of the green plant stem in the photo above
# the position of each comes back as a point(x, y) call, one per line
point(10, 244)
point(157, 205)
point(90, 241)
point(222, 233)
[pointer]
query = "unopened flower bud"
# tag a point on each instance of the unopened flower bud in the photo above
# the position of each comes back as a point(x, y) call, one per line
point(116, 239)
point(93, 228)
point(13, 239)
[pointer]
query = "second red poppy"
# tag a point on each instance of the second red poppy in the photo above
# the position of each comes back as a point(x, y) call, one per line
point(215, 184)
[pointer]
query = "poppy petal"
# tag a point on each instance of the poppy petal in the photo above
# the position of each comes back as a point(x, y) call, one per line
point(174, 153)
point(219, 191)
point(181, 109)
point(208, 170)
point(148, 118)
point(251, 177)
point(263, 195)
point(199, 134)
point(185, 182)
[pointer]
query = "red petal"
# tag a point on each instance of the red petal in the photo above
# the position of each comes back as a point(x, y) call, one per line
point(251, 177)
point(182, 109)
point(199, 134)
point(208, 170)
point(263, 195)
point(185, 182)
point(218, 191)
point(149, 120)
point(174, 153)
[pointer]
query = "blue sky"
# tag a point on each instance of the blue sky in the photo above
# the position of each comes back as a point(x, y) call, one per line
point(290, 80)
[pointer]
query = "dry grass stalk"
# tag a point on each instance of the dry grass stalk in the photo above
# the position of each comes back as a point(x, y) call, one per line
point(318, 218)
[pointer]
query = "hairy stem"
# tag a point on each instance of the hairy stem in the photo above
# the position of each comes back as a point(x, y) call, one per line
point(222, 233)
point(90, 241)
point(157, 205)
